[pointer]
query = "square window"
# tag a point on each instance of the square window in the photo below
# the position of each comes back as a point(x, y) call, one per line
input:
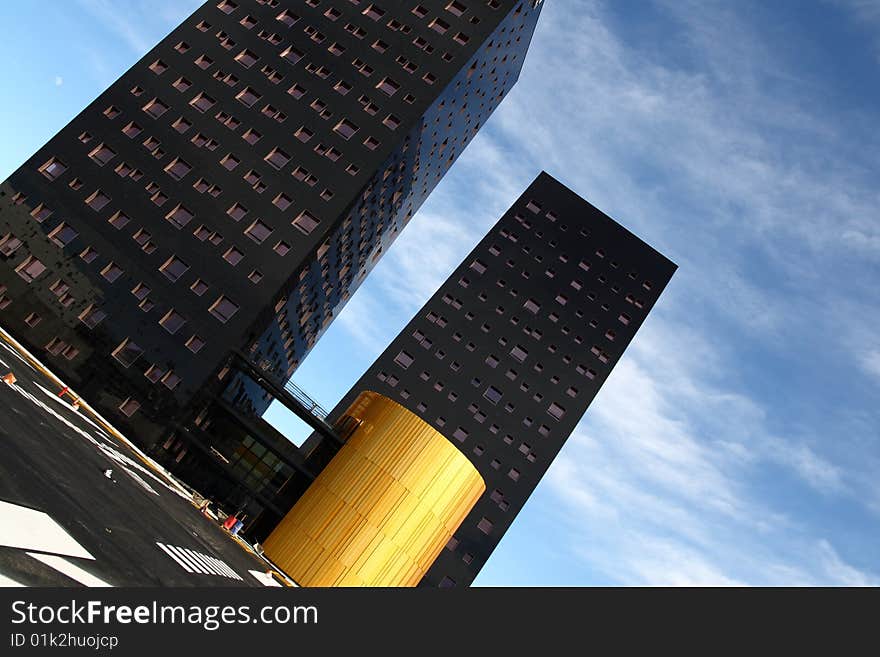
point(233, 256)
point(456, 8)
point(179, 216)
point(30, 269)
point(129, 407)
point(282, 201)
point(92, 316)
point(112, 272)
point(102, 154)
point(202, 102)
point(170, 380)
point(174, 268)
point(172, 321)
point(277, 158)
point(306, 222)
point(248, 96)
point(404, 359)
point(229, 162)
point(439, 25)
point(195, 344)
point(251, 136)
point(53, 168)
point(388, 86)
point(154, 373)
point(373, 12)
point(258, 231)
point(131, 130)
point(246, 58)
point(119, 220)
point(237, 211)
point(155, 108)
point(297, 91)
point(181, 125)
point(292, 55)
point(62, 235)
point(199, 287)
point(178, 168)
point(223, 309)
point(127, 352)
point(88, 254)
point(345, 129)
point(556, 411)
point(519, 353)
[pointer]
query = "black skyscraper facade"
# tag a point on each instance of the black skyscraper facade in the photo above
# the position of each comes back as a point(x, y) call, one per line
point(229, 193)
point(507, 355)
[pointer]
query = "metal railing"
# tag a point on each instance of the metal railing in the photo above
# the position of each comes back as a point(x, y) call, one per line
point(307, 402)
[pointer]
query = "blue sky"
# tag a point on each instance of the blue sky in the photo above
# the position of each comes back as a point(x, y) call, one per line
point(738, 440)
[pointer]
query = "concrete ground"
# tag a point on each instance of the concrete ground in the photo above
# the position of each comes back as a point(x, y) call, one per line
point(80, 507)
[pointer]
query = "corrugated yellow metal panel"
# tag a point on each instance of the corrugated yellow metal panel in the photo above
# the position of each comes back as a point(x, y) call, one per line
point(383, 508)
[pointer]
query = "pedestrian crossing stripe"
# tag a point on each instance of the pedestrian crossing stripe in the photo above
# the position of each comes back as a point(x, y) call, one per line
point(196, 562)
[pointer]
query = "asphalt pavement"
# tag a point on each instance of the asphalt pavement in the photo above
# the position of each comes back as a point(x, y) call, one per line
point(80, 507)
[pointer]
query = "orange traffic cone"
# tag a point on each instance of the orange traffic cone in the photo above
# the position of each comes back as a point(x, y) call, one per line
point(76, 405)
point(9, 378)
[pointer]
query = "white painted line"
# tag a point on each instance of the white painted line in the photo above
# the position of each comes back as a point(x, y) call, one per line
point(202, 559)
point(8, 583)
point(222, 566)
point(264, 578)
point(194, 564)
point(69, 407)
point(215, 564)
point(225, 568)
point(171, 483)
point(175, 557)
point(16, 354)
point(27, 529)
point(73, 571)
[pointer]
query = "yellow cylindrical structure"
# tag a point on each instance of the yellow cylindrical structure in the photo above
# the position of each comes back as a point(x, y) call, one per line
point(383, 508)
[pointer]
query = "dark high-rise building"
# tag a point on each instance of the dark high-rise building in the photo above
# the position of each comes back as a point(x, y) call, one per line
point(228, 194)
point(503, 361)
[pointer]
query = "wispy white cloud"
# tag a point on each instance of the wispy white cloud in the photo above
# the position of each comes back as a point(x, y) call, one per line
point(138, 23)
point(722, 155)
point(871, 362)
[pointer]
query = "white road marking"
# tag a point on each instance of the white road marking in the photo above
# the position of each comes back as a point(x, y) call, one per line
point(213, 567)
point(195, 565)
point(264, 578)
point(171, 484)
point(17, 355)
point(69, 407)
point(127, 464)
point(193, 561)
point(225, 567)
point(28, 529)
point(195, 556)
point(203, 561)
point(70, 569)
point(9, 583)
point(171, 554)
